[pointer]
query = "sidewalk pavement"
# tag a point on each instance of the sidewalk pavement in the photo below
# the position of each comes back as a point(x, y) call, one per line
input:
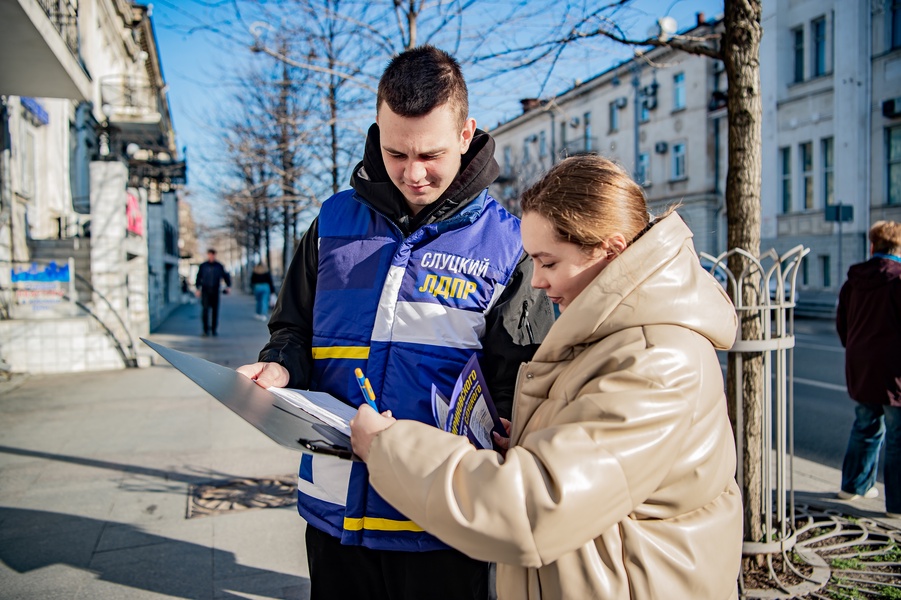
point(96, 471)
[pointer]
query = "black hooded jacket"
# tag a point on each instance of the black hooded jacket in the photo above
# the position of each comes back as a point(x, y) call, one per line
point(515, 326)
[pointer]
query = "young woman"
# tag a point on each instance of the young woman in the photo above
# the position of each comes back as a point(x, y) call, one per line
point(619, 478)
point(262, 286)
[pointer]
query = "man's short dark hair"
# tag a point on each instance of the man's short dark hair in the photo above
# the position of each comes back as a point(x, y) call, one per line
point(211, 251)
point(421, 79)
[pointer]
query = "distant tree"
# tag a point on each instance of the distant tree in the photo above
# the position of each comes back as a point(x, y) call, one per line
point(271, 142)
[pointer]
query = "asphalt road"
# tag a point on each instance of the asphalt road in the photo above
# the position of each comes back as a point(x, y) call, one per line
point(823, 411)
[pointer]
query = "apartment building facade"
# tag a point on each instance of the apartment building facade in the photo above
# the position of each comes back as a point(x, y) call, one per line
point(831, 89)
point(88, 186)
point(661, 116)
point(831, 133)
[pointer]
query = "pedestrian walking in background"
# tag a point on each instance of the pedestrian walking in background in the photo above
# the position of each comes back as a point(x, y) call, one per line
point(263, 288)
point(209, 277)
point(618, 480)
point(868, 321)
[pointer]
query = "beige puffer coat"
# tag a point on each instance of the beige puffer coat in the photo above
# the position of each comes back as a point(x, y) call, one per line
point(619, 483)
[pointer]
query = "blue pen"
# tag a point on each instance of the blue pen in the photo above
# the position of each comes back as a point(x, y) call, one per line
point(366, 388)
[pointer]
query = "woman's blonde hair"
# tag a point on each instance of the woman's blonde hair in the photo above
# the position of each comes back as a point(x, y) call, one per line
point(589, 198)
point(259, 268)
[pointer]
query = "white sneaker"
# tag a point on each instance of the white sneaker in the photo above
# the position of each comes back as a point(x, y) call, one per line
point(871, 493)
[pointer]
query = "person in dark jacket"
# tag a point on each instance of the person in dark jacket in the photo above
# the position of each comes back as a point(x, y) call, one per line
point(404, 276)
point(262, 287)
point(868, 321)
point(209, 276)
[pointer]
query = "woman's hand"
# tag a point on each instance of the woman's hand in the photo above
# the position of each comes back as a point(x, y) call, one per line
point(502, 443)
point(365, 426)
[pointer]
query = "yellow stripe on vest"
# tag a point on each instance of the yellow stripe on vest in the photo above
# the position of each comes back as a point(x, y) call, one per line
point(376, 524)
point(341, 352)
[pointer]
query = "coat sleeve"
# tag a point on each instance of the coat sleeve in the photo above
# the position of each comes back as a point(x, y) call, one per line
point(561, 487)
point(291, 324)
point(841, 315)
point(515, 327)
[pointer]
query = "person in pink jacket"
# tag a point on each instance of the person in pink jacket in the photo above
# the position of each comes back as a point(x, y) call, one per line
point(618, 480)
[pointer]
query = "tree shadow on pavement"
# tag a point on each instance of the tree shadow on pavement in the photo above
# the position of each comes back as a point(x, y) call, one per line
point(126, 555)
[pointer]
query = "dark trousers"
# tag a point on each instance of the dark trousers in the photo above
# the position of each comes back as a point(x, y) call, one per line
point(209, 299)
point(338, 571)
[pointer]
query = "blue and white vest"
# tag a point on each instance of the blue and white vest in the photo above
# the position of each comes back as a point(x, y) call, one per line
point(409, 312)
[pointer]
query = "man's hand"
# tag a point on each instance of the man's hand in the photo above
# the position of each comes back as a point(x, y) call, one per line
point(365, 426)
point(266, 374)
point(197, 293)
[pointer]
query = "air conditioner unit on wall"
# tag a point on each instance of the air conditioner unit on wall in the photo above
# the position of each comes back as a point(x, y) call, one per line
point(661, 147)
point(621, 102)
point(891, 108)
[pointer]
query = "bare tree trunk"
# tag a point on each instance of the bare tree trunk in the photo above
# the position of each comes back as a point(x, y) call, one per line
point(286, 158)
point(267, 226)
point(741, 58)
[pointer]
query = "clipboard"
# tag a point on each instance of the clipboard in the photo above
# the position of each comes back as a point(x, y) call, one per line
point(281, 421)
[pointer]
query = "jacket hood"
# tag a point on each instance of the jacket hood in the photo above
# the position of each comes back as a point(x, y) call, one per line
point(658, 280)
point(370, 180)
point(873, 273)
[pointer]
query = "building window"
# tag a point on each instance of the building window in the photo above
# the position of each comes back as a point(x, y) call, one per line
point(798, 38)
point(644, 112)
point(525, 151)
point(827, 157)
point(508, 161)
point(614, 116)
point(643, 172)
point(542, 144)
point(896, 24)
point(678, 161)
point(586, 132)
point(826, 267)
point(805, 272)
point(805, 152)
point(893, 166)
point(563, 151)
point(818, 46)
point(678, 91)
point(785, 158)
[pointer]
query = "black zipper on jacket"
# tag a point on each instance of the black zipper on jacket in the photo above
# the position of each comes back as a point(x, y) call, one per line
point(524, 320)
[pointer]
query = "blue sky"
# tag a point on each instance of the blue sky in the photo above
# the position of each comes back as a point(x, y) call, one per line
point(196, 65)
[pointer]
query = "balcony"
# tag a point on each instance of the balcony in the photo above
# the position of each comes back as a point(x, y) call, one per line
point(133, 109)
point(130, 102)
point(40, 49)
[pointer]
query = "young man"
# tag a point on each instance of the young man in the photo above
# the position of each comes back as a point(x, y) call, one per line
point(868, 321)
point(209, 275)
point(405, 276)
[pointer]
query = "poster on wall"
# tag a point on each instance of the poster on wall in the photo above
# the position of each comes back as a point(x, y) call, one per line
point(43, 290)
point(134, 215)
